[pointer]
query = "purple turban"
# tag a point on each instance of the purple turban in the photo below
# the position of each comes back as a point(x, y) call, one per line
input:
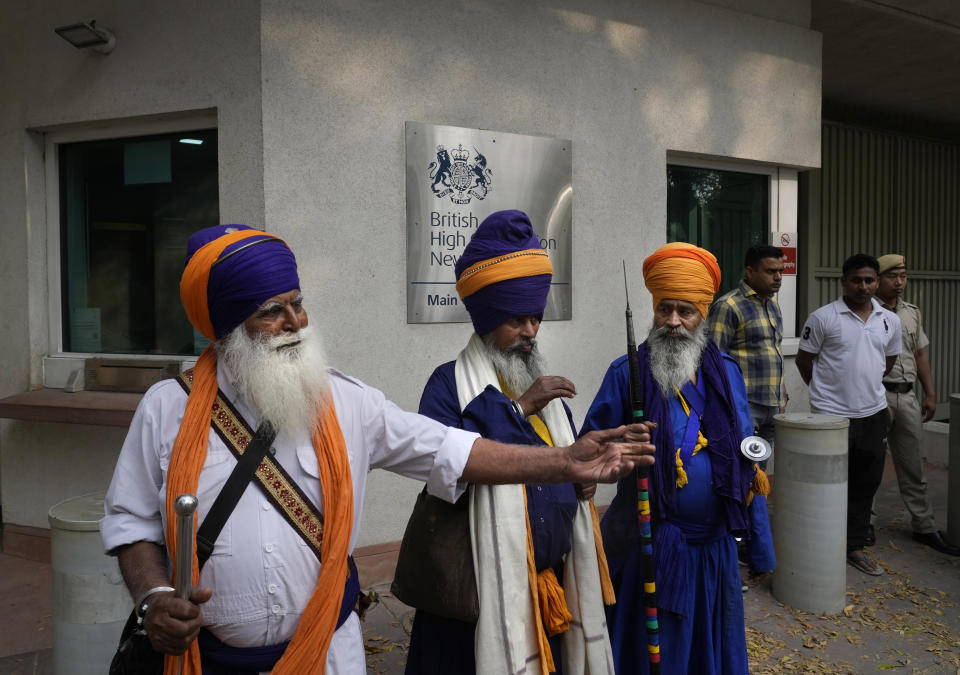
point(245, 275)
point(503, 272)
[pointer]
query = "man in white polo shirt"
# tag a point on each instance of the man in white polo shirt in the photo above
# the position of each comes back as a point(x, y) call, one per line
point(846, 348)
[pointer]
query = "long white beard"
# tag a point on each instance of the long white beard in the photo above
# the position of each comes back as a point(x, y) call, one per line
point(516, 367)
point(675, 360)
point(286, 386)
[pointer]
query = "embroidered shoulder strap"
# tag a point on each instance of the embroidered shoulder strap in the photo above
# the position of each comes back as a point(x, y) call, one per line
point(305, 518)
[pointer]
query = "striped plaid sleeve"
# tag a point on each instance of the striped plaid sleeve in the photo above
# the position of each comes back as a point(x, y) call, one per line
point(723, 322)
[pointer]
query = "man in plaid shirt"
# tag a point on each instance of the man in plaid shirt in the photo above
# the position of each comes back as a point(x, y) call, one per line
point(746, 324)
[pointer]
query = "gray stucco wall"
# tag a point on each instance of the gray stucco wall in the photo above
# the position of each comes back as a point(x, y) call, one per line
point(626, 82)
point(331, 84)
point(170, 57)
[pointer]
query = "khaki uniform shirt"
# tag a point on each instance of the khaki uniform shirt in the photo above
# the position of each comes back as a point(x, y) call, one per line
point(914, 339)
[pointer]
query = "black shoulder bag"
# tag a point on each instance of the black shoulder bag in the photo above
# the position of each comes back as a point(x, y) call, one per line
point(135, 655)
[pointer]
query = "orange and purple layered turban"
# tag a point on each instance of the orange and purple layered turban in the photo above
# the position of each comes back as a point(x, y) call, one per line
point(503, 271)
point(681, 271)
point(229, 272)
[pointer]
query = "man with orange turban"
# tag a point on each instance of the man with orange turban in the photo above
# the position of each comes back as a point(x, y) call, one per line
point(263, 601)
point(702, 491)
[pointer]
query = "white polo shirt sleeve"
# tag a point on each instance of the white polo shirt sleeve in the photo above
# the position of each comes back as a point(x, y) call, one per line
point(811, 337)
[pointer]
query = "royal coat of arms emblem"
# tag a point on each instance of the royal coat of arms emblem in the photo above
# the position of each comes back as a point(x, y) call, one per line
point(456, 176)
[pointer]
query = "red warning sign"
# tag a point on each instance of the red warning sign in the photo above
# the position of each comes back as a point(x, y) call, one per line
point(787, 242)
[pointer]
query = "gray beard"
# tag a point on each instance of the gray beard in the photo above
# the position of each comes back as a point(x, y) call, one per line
point(287, 387)
point(517, 368)
point(675, 360)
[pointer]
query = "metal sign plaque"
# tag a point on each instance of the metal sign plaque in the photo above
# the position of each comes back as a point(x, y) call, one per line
point(457, 177)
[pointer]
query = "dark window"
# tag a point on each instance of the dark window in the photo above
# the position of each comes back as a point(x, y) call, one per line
point(127, 208)
point(725, 212)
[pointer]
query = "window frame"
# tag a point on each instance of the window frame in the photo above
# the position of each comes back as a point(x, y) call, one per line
point(57, 363)
point(782, 183)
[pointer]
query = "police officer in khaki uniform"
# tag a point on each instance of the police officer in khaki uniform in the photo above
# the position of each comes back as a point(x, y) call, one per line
point(907, 415)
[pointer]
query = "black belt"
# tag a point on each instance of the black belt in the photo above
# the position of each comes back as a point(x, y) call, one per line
point(898, 387)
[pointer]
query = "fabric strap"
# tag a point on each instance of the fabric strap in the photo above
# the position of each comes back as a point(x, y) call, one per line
point(230, 493)
point(272, 479)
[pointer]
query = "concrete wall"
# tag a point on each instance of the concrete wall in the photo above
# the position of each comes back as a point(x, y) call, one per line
point(626, 82)
point(170, 57)
point(335, 82)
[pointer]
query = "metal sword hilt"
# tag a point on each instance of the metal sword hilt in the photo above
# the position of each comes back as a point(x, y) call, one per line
point(185, 506)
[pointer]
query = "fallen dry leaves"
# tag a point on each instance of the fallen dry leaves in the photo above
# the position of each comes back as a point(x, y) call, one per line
point(891, 606)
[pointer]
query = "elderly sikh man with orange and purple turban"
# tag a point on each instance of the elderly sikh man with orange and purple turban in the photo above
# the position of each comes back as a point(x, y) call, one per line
point(703, 492)
point(499, 386)
point(278, 591)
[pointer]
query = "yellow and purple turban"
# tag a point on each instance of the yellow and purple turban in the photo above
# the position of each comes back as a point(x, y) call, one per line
point(503, 271)
point(681, 271)
point(229, 272)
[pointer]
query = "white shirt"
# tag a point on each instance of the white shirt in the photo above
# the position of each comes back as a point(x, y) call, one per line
point(261, 571)
point(851, 356)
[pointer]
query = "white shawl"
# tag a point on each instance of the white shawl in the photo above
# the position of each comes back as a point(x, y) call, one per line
point(506, 641)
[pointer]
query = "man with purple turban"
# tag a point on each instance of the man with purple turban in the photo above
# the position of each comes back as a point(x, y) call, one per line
point(263, 601)
point(702, 491)
point(497, 387)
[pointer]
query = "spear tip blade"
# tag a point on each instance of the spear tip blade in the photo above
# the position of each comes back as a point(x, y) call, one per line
point(626, 290)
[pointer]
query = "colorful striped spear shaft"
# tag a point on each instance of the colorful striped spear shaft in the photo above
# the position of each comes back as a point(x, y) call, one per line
point(643, 501)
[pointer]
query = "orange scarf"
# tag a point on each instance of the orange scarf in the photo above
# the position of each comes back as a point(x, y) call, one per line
point(307, 651)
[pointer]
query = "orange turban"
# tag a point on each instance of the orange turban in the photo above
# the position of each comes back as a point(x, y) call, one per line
point(682, 271)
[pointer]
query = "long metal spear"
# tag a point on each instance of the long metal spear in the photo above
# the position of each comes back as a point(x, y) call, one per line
point(643, 499)
point(185, 506)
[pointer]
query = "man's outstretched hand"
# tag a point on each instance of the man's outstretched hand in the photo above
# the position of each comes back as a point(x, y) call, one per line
point(597, 457)
point(608, 455)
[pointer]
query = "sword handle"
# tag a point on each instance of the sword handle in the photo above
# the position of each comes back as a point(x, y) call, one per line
point(185, 506)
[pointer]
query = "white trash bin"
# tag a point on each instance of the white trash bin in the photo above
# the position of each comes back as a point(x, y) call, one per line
point(90, 601)
point(810, 512)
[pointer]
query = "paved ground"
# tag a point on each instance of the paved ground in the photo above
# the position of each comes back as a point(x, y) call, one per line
point(907, 621)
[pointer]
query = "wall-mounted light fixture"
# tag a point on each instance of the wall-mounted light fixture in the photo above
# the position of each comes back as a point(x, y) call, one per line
point(88, 34)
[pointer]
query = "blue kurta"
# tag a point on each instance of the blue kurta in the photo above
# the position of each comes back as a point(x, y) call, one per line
point(705, 633)
point(439, 645)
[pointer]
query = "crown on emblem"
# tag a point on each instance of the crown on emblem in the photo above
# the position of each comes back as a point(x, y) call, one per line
point(459, 154)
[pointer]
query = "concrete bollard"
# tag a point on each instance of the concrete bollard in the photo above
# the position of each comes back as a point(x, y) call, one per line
point(90, 600)
point(953, 472)
point(810, 512)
